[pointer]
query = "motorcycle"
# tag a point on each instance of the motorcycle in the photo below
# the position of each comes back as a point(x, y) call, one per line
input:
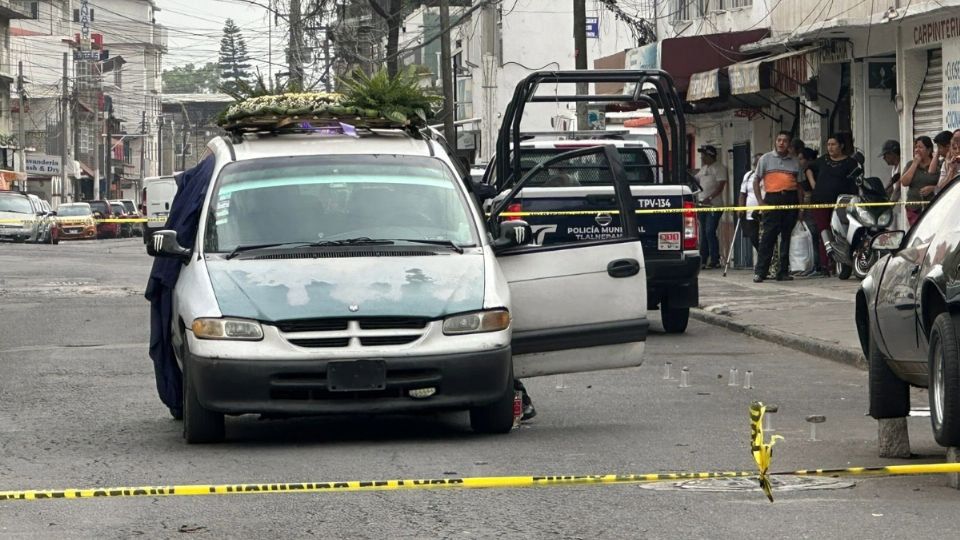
point(853, 227)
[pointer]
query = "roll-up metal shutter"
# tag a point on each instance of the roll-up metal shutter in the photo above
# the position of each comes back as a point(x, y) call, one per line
point(928, 112)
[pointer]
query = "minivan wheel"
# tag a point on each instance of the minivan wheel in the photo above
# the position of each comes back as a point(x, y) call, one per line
point(496, 417)
point(674, 319)
point(944, 387)
point(889, 395)
point(200, 425)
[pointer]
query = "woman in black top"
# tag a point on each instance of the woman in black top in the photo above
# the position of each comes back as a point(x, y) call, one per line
point(832, 178)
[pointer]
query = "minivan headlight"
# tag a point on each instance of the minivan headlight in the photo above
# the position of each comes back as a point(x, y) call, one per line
point(232, 329)
point(476, 323)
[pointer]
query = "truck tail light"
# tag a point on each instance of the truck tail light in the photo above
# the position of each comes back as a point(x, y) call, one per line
point(691, 228)
point(512, 208)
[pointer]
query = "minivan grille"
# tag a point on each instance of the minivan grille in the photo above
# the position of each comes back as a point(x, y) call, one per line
point(362, 331)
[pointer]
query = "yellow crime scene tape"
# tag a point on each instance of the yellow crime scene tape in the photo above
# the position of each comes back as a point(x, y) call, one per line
point(761, 449)
point(643, 211)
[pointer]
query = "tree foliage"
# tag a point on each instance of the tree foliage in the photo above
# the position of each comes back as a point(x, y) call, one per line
point(234, 58)
point(192, 79)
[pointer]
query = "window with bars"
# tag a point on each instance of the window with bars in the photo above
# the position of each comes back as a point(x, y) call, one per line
point(681, 9)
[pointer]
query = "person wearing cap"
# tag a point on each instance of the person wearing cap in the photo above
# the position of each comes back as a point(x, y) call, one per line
point(712, 178)
point(890, 152)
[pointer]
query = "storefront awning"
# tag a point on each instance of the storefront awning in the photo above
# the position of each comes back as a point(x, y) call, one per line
point(783, 72)
point(683, 57)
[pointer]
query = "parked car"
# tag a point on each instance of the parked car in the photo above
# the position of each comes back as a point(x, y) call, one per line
point(908, 318)
point(18, 217)
point(102, 210)
point(133, 213)
point(157, 195)
point(336, 274)
point(120, 212)
point(76, 221)
point(48, 230)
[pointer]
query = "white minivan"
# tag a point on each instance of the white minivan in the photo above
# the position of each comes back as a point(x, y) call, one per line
point(155, 201)
point(356, 274)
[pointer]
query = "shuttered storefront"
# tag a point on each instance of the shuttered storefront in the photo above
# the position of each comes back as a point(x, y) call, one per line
point(928, 112)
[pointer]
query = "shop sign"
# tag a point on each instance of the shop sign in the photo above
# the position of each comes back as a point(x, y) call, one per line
point(744, 78)
point(810, 124)
point(933, 32)
point(951, 84)
point(43, 165)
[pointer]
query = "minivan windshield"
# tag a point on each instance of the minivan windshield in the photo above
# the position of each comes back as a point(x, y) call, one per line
point(310, 199)
point(15, 203)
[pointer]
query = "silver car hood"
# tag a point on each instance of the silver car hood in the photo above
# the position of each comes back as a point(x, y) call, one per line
point(274, 290)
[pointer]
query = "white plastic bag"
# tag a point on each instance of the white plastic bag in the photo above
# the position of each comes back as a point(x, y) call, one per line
point(801, 249)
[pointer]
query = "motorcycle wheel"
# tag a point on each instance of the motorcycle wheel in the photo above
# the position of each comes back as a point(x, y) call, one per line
point(863, 261)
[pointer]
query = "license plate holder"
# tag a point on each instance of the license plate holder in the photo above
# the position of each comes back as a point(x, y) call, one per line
point(357, 376)
point(669, 241)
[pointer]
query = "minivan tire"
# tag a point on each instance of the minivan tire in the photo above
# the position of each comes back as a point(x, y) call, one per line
point(889, 395)
point(200, 425)
point(944, 385)
point(495, 418)
point(674, 320)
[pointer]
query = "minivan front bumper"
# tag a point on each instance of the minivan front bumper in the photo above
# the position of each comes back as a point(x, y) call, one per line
point(299, 387)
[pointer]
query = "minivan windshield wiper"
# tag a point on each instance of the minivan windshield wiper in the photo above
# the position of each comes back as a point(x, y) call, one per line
point(444, 243)
point(362, 241)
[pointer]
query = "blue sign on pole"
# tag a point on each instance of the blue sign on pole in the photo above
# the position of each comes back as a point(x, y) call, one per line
point(593, 27)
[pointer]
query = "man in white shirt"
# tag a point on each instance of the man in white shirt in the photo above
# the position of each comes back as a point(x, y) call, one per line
point(750, 222)
point(712, 177)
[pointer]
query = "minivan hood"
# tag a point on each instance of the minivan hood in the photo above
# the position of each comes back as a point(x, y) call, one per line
point(420, 286)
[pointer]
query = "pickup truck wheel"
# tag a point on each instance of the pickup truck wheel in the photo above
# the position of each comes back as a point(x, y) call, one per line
point(674, 319)
point(944, 388)
point(200, 425)
point(496, 417)
point(889, 395)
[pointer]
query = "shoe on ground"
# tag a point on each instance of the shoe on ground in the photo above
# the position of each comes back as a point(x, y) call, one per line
point(784, 277)
point(758, 278)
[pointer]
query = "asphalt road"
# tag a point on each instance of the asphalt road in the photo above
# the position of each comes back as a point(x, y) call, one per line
point(78, 409)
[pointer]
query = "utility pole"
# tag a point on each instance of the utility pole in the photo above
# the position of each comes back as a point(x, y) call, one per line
point(580, 44)
point(488, 23)
point(446, 72)
point(64, 129)
point(295, 51)
point(159, 152)
point(22, 162)
point(143, 147)
point(108, 155)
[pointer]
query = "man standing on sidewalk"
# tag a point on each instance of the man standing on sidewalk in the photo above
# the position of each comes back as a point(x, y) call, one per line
point(778, 175)
point(712, 177)
point(750, 220)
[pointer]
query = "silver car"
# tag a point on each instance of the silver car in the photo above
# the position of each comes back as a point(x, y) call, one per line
point(343, 274)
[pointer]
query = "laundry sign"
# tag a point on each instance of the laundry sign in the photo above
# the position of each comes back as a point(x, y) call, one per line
point(43, 165)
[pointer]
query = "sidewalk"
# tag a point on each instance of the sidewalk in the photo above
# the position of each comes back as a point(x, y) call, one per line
point(812, 315)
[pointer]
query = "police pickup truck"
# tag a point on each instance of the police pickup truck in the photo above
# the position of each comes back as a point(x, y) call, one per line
point(573, 200)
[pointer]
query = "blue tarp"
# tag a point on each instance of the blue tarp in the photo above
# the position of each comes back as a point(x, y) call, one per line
point(184, 218)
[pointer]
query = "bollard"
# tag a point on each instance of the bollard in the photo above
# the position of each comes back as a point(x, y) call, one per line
point(814, 420)
point(685, 377)
point(893, 438)
point(953, 456)
point(748, 379)
point(666, 370)
point(734, 375)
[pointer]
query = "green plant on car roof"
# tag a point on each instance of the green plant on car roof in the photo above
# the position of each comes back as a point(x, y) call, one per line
point(398, 99)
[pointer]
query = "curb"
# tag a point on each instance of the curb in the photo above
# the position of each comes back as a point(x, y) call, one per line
point(816, 347)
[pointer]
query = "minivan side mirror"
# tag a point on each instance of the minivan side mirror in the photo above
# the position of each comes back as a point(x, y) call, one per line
point(164, 244)
point(888, 241)
point(513, 234)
